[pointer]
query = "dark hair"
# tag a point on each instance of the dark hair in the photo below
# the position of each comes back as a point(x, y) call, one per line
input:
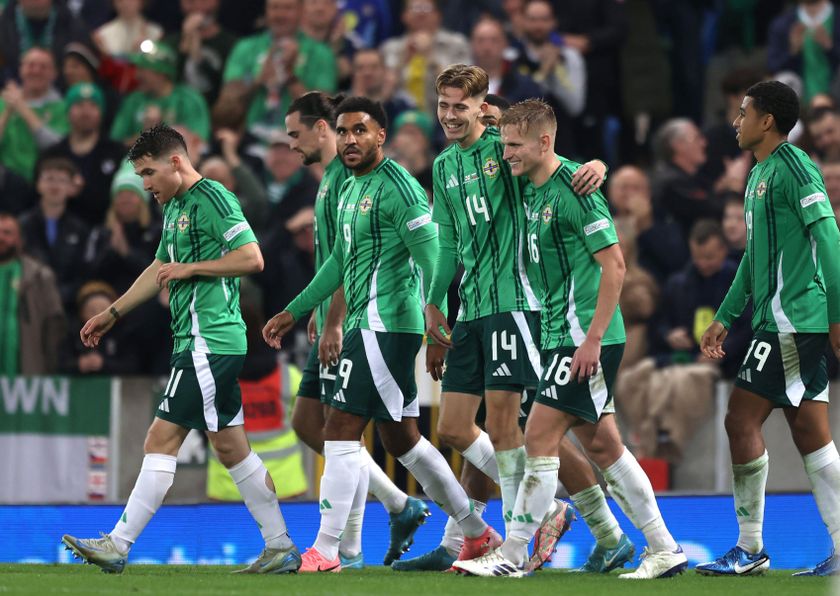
point(157, 141)
point(778, 100)
point(362, 104)
point(62, 164)
point(498, 101)
point(819, 113)
point(733, 198)
point(314, 106)
point(704, 230)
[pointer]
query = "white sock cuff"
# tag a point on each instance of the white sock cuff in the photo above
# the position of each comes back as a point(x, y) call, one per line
point(751, 466)
point(413, 455)
point(244, 469)
point(588, 495)
point(509, 460)
point(620, 467)
point(364, 458)
point(542, 464)
point(339, 448)
point(477, 447)
point(478, 506)
point(822, 457)
point(158, 462)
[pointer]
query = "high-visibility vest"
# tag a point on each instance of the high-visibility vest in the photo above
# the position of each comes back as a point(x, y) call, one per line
point(265, 403)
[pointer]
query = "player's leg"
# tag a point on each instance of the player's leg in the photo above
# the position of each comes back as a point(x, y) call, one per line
point(809, 424)
point(309, 414)
point(634, 494)
point(157, 473)
point(350, 545)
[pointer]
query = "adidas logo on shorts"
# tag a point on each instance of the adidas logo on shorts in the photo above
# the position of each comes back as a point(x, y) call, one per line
point(340, 396)
point(550, 392)
point(502, 371)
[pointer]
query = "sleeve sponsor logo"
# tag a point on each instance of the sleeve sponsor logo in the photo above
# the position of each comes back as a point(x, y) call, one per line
point(817, 197)
point(236, 230)
point(596, 226)
point(418, 222)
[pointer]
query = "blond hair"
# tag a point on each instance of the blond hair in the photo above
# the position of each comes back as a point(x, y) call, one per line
point(530, 114)
point(472, 80)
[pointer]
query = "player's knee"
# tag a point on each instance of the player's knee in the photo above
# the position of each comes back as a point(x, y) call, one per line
point(453, 435)
point(502, 430)
point(735, 424)
point(307, 432)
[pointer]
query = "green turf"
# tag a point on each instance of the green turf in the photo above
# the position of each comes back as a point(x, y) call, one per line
point(209, 580)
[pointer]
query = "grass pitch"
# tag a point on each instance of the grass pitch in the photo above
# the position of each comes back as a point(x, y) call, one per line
point(173, 580)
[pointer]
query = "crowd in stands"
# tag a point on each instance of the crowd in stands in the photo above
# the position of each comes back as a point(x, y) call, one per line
point(649, 86)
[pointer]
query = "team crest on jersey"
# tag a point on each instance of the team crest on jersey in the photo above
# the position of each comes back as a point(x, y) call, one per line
point(491, 168)
point(365, 204)
point(761, 189)
point(183, 222)
point(546, 214)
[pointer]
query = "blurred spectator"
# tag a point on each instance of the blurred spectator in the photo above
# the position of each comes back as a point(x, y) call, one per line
point(514, 18)
point(415, 59)
point(124, 34)
point(51, 234)
point(159, 98)
point(94, 13)
point(410, 146)
point(734, 227)
point(32, 114)
point(370, 80)
point(228, 120)
point(461, 16)
point(371, 21)
point(659, 246)
point(117, 352)
point(203, 47)
point(81, 65)
point(596, 29)
point(279, 64)
point(290, 186)
point(26, 24)
point(542, 53)
point(31, 317)
point(95, 155)
point(831, 176)
point(822, 100)
point(806, 40)
point(16, 195)
point(679, 190)
point(238, 178)
point(495, 106)
point(824, 128)
point(123, 247)
point(690, 299)
point(322, 22)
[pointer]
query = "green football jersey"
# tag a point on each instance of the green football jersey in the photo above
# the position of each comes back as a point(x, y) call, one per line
point(785, 194)
point(380, 215)
point(480, 202)
point(326, 210)
point(204, 224)
point(565, 230)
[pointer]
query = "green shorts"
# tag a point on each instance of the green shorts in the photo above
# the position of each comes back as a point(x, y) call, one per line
point(317, 381)
point(524, 408)
point(786, 368)
point(203, 391)
point(375, 376)
point(588, 400)
point(496, 352)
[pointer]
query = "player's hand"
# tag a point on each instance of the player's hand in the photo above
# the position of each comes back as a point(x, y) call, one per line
point(277, 326)
point(435, 358)
point(434, 322)
point(834, 338)
point(329, 347)
point(312, 329)
point(711, 344)
point(172, 271)
point(589, 177)
point(679, 339)
point(586, 360)
point(96, 327)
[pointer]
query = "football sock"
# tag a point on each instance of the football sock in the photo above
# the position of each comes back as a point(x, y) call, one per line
point(251, 476)
point(592, 506)
point(385, 491)
point(432, 471)
point(481, 455)
point(631, 488)
point(351, 538)
point(342, 469)
point(156, 476)
point(749, 481)
point(453, 537)
point(533, 501)
point(511, 469)
point(823, 468)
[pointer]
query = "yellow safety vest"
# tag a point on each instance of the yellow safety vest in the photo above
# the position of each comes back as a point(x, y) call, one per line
point(265, 403)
